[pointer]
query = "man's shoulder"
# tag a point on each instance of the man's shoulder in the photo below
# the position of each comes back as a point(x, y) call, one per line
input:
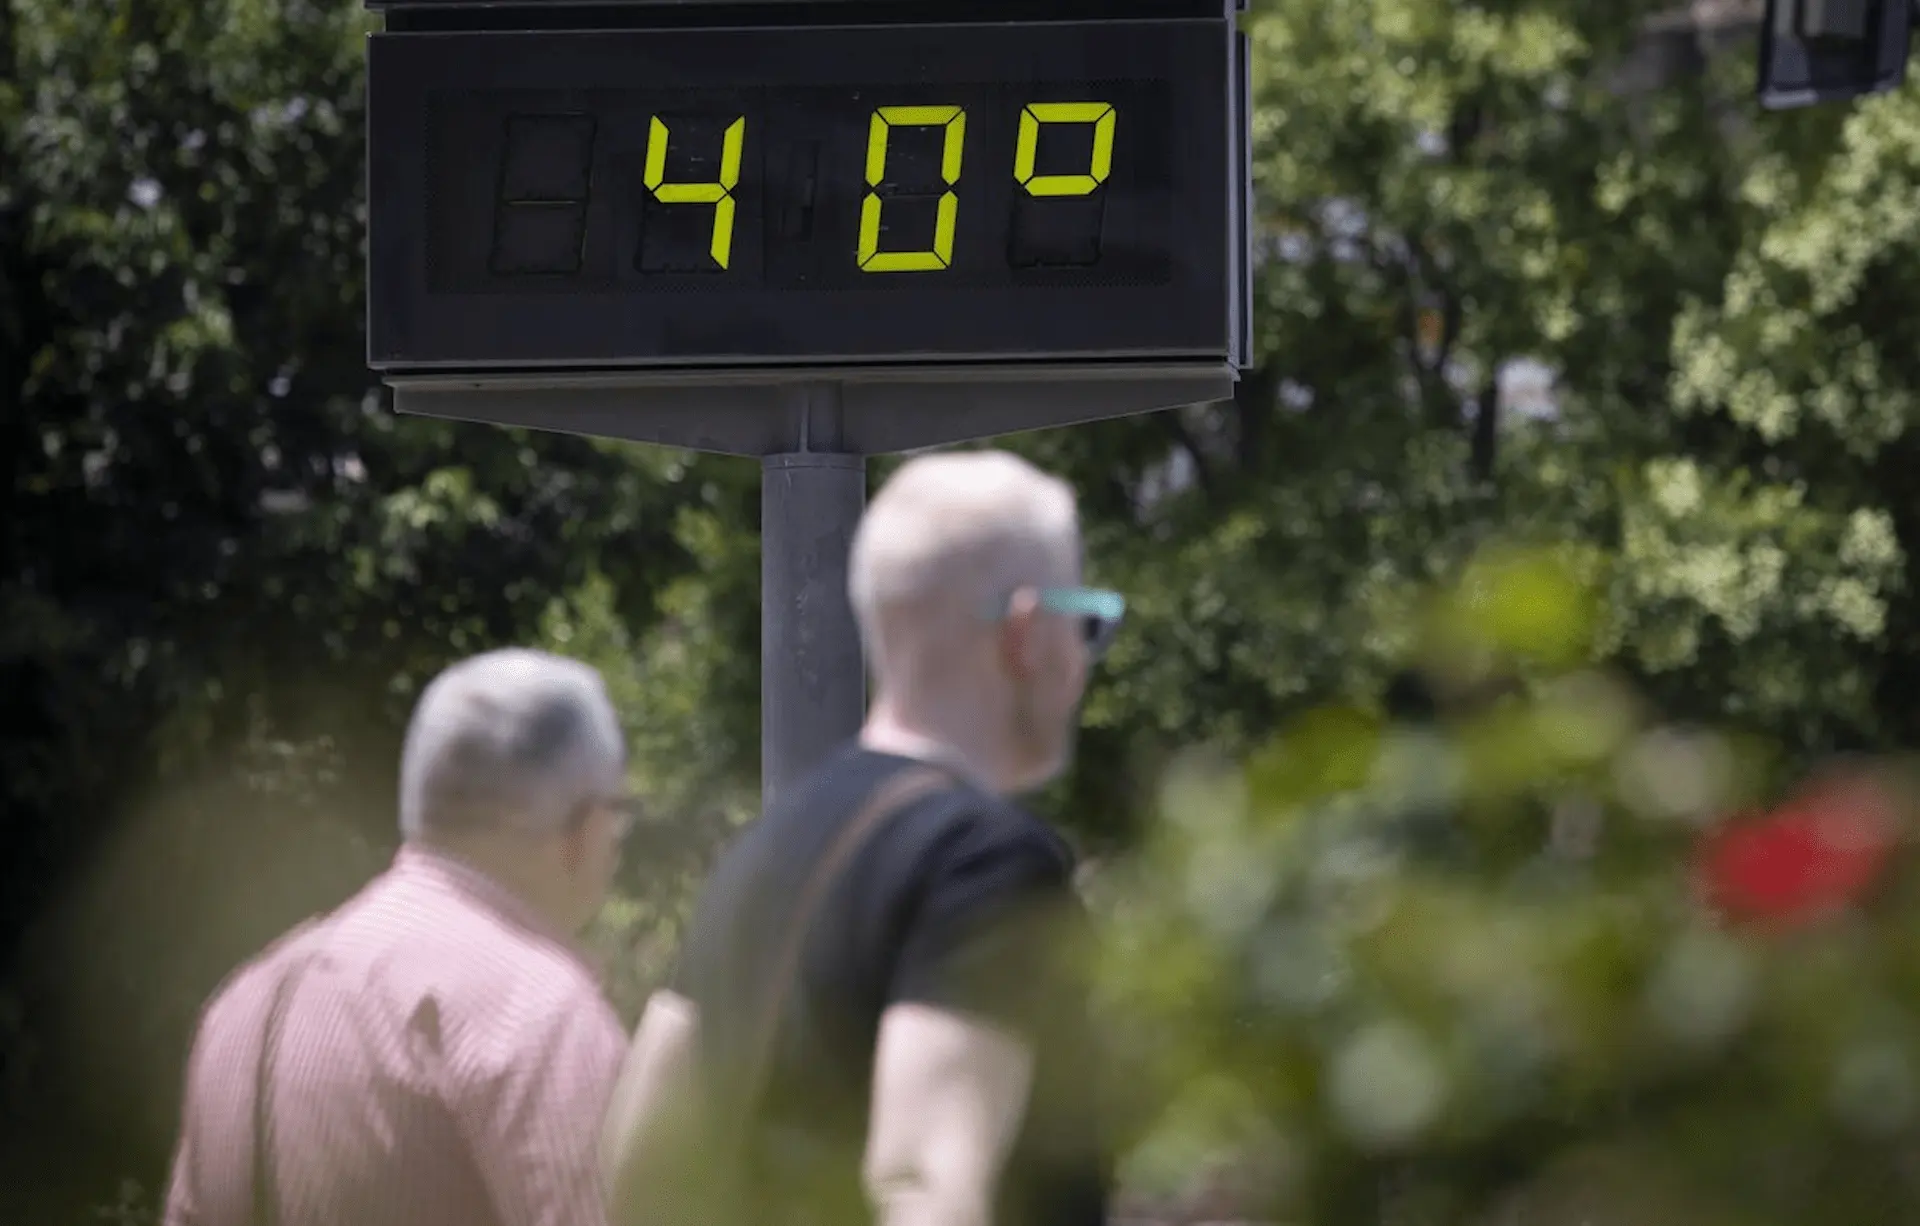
point(417, 941)
point(248, 984)
point(957, 830)
point(956, 821)
point(236, 1010)
point(966, 824)
point(978, 893)
point(486, 993)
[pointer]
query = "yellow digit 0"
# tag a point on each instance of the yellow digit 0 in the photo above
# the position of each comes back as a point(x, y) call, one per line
point(952, 146)
point(718, 193)
point(1099, 114)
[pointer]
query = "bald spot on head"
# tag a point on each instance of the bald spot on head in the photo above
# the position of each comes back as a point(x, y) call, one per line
point(944, 541)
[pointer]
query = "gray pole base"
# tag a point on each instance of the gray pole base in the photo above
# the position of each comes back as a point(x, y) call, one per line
point(813, 688)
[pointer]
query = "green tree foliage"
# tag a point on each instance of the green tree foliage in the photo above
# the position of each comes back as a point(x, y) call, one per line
point(1455, 970)
point(1448, 190)
point(227, 565)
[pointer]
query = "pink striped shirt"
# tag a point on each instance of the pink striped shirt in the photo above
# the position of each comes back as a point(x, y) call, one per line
point(444, 1056)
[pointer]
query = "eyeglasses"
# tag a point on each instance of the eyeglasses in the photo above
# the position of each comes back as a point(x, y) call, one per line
point(1099, 611)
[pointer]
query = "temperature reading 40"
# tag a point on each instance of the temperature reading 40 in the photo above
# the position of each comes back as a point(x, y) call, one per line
point(888, 240)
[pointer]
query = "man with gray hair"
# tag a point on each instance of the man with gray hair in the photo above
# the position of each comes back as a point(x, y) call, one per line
point(437, 1050)
point(872, 1019)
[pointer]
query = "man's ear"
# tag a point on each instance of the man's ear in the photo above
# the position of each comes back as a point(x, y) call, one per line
point(573, 845)
point(1016, 634)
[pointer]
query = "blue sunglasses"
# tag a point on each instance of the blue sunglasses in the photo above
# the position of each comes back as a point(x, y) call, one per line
point(1098, 610)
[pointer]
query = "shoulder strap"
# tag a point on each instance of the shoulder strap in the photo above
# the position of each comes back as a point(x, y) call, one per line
point(892, 796)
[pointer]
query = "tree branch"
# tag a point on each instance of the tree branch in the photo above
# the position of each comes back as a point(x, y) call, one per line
point(1203, 473)
point(1417, 275)
point(1486, 429)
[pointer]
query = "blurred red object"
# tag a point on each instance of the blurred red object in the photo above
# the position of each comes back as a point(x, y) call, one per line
point(1808, 858)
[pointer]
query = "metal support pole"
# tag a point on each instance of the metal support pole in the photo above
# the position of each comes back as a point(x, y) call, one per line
point(813, 680)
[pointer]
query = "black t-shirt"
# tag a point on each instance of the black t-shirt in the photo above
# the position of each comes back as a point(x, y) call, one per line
point(960, 900)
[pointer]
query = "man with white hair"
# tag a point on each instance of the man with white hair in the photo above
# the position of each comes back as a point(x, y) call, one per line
point(435, 1051)
point(871, 1019)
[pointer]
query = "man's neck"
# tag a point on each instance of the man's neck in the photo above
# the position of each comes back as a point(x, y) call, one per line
point(890, 730)
point(505, 867)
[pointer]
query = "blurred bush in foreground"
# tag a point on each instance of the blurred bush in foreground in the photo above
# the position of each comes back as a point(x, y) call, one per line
point(1514, 952)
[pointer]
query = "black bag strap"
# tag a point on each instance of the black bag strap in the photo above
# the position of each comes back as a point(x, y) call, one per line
point(893, 795)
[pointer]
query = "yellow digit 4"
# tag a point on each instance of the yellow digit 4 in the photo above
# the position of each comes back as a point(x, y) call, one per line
point(718, 193)
point(1099, 114)
point(952, 146)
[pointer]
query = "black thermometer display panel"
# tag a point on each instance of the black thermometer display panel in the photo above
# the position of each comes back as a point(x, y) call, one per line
point(810, 195)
